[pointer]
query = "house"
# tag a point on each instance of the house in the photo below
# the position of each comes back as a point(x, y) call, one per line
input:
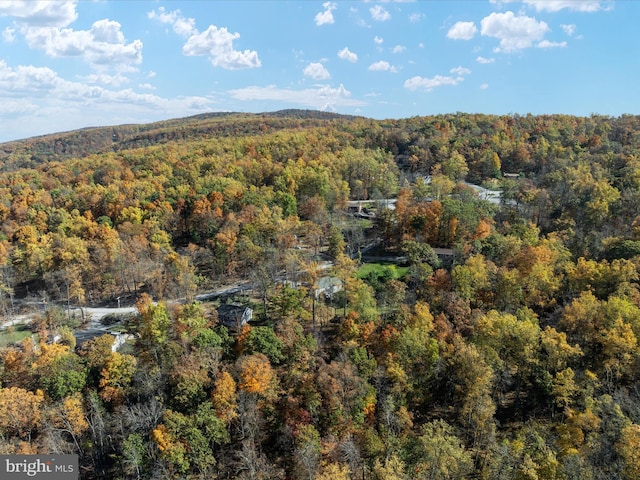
point(446, 256)
point(119, 339)
point(51, 338)
point(364, 213)
point(328, 286)
point(234, 316)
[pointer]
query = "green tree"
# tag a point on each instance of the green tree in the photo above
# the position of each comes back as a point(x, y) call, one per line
point(307, 452)
point(393, 468)
point(154, 328)
point(183, 444)
point(417, 350)
point(628, 447)
point(67, 376)
point(262, 339)
point(473, 380)
point(441, 454)
point(336, 242)
point(455, 167)
point(511, 344)
point(189, 380)
point(475, 276)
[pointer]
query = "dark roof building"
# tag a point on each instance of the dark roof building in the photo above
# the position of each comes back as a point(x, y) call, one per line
point(234, 316)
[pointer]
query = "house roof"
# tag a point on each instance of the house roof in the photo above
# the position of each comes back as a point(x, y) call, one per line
point(443, 252)
point(231, 314)
point(325, 283)
point(232, 309)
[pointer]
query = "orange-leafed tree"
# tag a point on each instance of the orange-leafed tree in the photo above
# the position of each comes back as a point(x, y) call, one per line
point(256, 374)
point(224, 397)
point(20, 412)
point(15, 367)
point(67, 419)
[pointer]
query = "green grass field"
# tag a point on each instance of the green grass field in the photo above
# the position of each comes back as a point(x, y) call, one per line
point(14, 334)
point(382, 270)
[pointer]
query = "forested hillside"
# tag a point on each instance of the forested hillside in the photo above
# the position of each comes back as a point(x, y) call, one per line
point(466, 338)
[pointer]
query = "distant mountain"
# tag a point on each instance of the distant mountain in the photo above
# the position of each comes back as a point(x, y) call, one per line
point(33, 151)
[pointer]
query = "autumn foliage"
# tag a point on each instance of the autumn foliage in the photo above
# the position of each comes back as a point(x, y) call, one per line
point(494, 332)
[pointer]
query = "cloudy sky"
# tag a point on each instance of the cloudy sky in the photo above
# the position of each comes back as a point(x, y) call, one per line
point(70, 64)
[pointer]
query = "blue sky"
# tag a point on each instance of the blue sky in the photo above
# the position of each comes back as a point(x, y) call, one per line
point(69, 64)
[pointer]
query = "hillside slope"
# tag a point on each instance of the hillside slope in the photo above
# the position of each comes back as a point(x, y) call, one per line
point(514, 354)
point(30, 152)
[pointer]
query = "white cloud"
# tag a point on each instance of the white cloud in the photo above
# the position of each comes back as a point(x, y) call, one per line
point(557, 5)
point(514, 32)
point(26, 79)
point(378, 40)
point(576, 5)
point(398, 49)
point(484, 86)
point(548, 44)
point(568, 29)
point(146, 86)
point(216, 43)
point(346, 54)
point(484, 60)
point(151, 74)
point(37, 98)
point(10, 107)
point(104, 44)
point(162, 16)
point(107, 31)
point(322, 97)
point(428, 84)
point(42, 83)
point(382, 66)
point(116, 80)
point(40, 13)
point(184, 27)
point(43, 24)
point(8, 35)
point(379, 14)
point(416, 17)
point(460, 71)
point(326, 17)
point(462, 31)
point(316, 71)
